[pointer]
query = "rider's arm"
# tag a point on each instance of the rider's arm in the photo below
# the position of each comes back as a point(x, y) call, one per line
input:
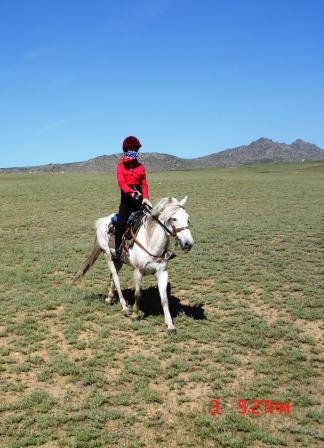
point(121, 179)
point(144, 185)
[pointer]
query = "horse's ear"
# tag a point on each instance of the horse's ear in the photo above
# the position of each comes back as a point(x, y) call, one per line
point(183, 201)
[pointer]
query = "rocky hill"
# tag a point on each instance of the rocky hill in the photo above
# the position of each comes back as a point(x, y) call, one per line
point(262, 150)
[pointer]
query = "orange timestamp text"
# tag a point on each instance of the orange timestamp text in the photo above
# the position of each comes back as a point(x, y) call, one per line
point(254, 407)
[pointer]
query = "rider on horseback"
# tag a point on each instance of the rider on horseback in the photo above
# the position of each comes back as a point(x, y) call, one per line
point(131, 177)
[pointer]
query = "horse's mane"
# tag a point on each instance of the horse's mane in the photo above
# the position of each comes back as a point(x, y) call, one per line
point(163, 210)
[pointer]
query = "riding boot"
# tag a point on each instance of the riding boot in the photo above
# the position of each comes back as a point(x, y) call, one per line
point(117, 256)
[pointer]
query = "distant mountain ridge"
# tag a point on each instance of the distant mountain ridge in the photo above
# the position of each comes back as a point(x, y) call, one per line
point(263, 150)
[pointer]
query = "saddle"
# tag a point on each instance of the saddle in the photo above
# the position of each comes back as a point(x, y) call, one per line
point(133, 224)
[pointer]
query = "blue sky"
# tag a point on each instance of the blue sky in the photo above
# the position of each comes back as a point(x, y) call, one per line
point(187, 77)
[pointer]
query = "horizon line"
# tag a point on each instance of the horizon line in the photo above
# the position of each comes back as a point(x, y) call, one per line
point(155, 152)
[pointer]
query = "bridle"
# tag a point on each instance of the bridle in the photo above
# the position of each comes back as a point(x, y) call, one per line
point(174, 232)
point(175, 229)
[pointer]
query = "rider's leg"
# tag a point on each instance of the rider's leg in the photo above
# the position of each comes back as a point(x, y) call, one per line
point(125, 209)
point(123, 214)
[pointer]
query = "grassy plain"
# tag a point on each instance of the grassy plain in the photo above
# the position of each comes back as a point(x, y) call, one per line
point(247, 303)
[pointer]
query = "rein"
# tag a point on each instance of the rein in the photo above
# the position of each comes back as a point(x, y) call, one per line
point(175, 230)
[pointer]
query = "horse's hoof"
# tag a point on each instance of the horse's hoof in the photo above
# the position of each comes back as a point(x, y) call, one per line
point(108, 300)
point(172, 331)
point(127, 312)
point(135, 316)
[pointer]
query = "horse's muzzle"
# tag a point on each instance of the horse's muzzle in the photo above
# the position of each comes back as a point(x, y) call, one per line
point(187, 245)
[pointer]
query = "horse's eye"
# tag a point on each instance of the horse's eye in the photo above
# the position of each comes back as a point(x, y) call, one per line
point(174, 219)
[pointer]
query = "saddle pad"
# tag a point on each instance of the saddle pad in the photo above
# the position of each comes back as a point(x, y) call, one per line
point(135, 219)
point(111, 241)
point(128, 242)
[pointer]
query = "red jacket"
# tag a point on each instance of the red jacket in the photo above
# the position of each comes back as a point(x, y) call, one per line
point(131, 173)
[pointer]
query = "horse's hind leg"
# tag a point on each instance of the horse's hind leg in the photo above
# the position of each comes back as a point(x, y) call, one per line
point(112, 289)
point(115, 279)
point(138, 293)
point(111, 293)
point(162, 278)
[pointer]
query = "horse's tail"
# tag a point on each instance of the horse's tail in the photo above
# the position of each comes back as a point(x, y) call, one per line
point(90, 261)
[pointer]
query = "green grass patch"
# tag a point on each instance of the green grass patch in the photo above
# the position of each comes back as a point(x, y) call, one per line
point(247, 302)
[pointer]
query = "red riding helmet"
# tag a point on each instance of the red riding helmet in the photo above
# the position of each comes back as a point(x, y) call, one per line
point(131, 143)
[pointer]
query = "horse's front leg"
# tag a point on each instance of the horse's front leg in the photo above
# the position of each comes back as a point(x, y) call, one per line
point(125, 310)
point(112, 289)
point(138, 293)
point(162, 279)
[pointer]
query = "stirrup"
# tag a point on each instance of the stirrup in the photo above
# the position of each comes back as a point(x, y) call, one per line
point(170, 255)
point(117, 256)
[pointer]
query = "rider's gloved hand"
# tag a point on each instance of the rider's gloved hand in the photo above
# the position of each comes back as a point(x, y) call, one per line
point(136, 196)
point(146, 202)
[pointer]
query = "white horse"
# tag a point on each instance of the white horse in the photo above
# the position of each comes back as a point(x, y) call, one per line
point(149, 253)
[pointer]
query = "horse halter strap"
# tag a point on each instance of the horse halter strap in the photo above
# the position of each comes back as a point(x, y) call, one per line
point(177, 229)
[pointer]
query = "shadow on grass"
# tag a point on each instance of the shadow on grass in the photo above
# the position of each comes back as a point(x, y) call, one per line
point(150, 303)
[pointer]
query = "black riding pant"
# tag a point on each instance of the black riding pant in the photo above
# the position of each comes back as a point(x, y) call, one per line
point(127, 206)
